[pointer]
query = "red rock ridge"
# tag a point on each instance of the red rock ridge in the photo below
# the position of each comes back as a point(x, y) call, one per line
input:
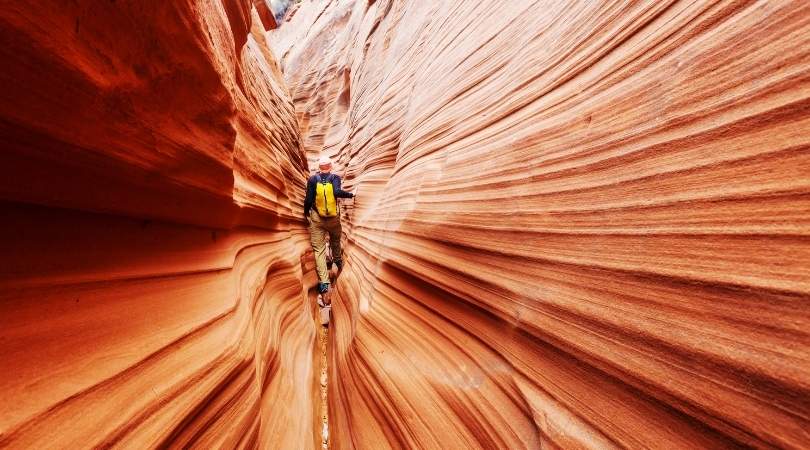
point(266, 14)
point(580, 224)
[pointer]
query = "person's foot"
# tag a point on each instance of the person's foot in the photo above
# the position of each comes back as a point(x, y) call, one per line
point(324, 301)
point(324, 295)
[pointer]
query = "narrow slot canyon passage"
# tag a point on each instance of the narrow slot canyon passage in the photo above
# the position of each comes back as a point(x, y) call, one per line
point(577, 224)
point(323, 337)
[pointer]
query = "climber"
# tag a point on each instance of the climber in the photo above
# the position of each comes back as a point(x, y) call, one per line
point(323, 189)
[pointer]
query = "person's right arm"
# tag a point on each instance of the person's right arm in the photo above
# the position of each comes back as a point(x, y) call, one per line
point(339, 192)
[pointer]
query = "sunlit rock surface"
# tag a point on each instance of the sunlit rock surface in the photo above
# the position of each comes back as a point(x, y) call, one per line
point(151, 283)
point(578, 224)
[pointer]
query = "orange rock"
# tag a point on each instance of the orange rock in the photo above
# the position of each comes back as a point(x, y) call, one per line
point(151, 277)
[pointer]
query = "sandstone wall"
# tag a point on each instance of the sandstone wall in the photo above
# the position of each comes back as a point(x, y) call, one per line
point(151, 276)
point(579, 224)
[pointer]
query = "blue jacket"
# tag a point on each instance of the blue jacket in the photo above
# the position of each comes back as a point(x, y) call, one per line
point(313, 180)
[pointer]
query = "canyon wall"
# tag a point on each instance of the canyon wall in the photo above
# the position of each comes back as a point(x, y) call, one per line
point(153, 256)
point(578, 224)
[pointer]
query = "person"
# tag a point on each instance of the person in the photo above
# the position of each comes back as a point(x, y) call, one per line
point(322, 213)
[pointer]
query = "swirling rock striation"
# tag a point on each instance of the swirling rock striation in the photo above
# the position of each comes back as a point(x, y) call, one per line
point(151, 277)
point(579, 224)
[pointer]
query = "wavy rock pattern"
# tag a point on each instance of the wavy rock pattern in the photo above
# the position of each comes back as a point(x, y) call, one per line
point(578, 225)
point(151, 276)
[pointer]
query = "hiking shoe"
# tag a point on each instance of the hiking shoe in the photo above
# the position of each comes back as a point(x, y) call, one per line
point(339, 263)
point(323, 288)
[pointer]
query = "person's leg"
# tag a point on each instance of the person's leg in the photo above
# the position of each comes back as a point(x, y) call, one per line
point(335, 231)
point(317, 236)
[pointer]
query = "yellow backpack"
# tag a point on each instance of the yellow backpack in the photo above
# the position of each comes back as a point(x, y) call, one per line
point(325, 202)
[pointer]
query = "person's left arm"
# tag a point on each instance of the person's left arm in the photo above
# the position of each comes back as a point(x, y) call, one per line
point(310, 197)
point(340, 193)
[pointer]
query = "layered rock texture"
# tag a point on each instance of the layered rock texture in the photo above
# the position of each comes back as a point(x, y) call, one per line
point(578, 224)
point(151, 279)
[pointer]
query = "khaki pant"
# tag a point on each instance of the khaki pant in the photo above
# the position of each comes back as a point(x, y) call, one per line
point(319, 229)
